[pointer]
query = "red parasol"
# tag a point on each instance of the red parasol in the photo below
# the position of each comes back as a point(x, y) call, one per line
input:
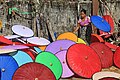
point(30, 53)
point(96, 38)
point(117, 57)
point(33, 71)
point(111, 46)
point(83, 60)
point(104, 52)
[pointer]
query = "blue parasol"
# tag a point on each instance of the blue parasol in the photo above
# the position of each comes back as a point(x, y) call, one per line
point(22, 58)
point(7, 67)
point(100, 23)
point(38, 50)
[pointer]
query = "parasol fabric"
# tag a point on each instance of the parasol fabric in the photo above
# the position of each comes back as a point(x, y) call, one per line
point(22, 31)
point(15, 47)
point(5, 40)
point(30, 53)
point(105, 54)
point(12, 36)
point(66, 70)
point(22, 58)
point(109, 19)
point(96, 38)
point(38, 50)
point(81, 41)
point(67, 36)
point(33, 71)
point(7, 51)
point(111, 46)
point(117, 57)
point(100, 23)
point(83, 60)
point(8, 66)
point(51, 61)
point(106, 74)
point(59, 45)
point(38, 41)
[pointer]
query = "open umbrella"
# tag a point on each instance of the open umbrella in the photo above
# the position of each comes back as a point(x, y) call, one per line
point(81, 41)
point(5, 40)
point(59, 45)
point(51, 61)
point(38, 41)
point(105, 54)
point(7, 67)
point(109, 75)
point(66, 70)
point(7, 51)
point(22, 31)
point(12, 36)
point(83, 60)
point(30, 53)
point(33, 71)
point(117, 57)
point(96, 38)
point(15, 47)
point(67, 36)
point(38, 50)
point(100, 23)
point(22, 58)
point(111, 46)
point(109, 19)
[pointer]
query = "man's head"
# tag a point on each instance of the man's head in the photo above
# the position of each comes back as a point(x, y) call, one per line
point(83, 13)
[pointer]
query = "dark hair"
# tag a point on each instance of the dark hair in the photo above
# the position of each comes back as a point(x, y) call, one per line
point(83, 10)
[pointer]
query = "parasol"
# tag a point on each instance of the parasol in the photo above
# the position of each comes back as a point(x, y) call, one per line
point(67, 36)
point(38, 50)
point(66, 70)
point(111, 46)
point(5, 40)
point(51, 61)
point(38, 41)
point(101, 75)
point(100, 23)
point(12, 36)
point(15, 47)
point(33, 71)
point(30, 53)
point(105, 54)
point(117, 57)
point(7, 67)
point(81, 41)
point(22, 58)
point(59, 45)
point(96, 38)
point(109, 19)
point(22, 31)
point(83, 60)
point(7, 51)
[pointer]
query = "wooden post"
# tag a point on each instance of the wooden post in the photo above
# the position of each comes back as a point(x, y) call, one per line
point(95, 9)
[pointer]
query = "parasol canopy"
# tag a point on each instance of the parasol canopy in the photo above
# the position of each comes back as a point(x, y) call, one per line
point(83, 60)
point(8, 66)
point(105, 54)
point(33, 71)
point(100, 23)
point(22, 58)
point(22, 31)
point(51, 61)
point(59, 45)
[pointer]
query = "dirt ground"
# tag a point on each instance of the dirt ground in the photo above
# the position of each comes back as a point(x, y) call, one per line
point(111, 69)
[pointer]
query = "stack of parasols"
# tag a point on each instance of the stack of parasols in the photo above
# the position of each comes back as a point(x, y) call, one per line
point(25, 57)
